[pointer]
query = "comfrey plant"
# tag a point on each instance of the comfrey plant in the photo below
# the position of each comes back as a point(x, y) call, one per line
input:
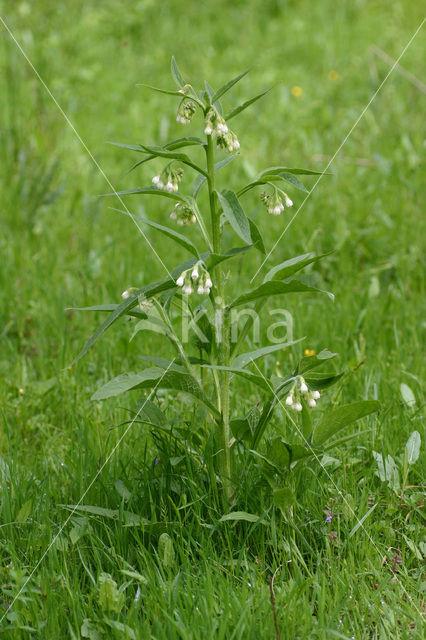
point(196, 290)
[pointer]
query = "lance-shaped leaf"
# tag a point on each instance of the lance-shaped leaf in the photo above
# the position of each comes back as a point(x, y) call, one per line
point(153, 191)
point(256, 237)
point(160, 152)
point(235, 215)
point(318, 381)
point(246, 358)
point(335, 420)
point(274, 288)
point(122, 309)
point(220, 92)
point(292, 266)
point(148, 412)
point(180, 143)
point(267, 179)
point(135, 313)
point(176, 74)
point(260, 381)
point(170, 233)
point(276, 170)
point(166, 91)
point(234, 112)
point(154, 377)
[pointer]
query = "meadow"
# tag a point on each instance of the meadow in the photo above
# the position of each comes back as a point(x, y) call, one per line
point(148, 553)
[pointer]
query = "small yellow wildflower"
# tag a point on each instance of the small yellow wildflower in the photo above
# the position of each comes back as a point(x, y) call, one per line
point(296, 91)
point(333, 75)
point(309, 352)
point(21, 390)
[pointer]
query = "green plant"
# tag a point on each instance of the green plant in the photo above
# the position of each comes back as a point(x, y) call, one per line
point(205, 370)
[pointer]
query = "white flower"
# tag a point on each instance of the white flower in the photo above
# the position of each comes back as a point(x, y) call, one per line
point(200, 289)
point(181, 222)
point(156, 180)
point(193, 219)
point(276, 210)
point(316, 395)
point(180, 281)
point(169, 186)
point(125, 294)
point(173, 215)
point(208, 130)
point(303, 387)
point(195, 275)
point(206, 290)
point(289, 400)
point(312, 403)
point(175, 187)
point(222, 128)
point(236, 145)
point(297, 406)
point(187, 289)
point(288, 202)
point(209, 283)
point(160, 185)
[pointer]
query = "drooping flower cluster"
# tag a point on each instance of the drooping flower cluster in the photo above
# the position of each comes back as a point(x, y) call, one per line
point(299, 389)
point(197, 277)
point(168, 179)
point(185, 112)
point(273, 202)
point(183, 214)
point(225, 138)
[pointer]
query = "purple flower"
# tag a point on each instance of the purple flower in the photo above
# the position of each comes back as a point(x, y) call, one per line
point(329, 518)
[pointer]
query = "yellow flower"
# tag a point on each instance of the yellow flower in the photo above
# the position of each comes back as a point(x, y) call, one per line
point(21, 390)
point(333, 75)
point(296, 91)
point(309, 352)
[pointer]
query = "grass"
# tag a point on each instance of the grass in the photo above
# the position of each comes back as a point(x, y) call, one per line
point(62, 246)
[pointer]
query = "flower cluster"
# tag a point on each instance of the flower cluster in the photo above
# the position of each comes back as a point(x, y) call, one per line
point(168, 179)
point(273, 202)
point(197, 276)
point(299, 389)
point(225, 138)
point(183, 214)
point(185, 112)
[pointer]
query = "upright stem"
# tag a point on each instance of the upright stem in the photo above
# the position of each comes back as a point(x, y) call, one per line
point(223, 333)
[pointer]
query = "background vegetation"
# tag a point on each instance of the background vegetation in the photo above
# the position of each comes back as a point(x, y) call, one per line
point(62, 246)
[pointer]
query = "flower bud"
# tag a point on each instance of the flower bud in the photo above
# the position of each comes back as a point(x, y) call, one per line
point(195, 275)
point(316, 395)
point(209, 283)
point(125, 294)
point(289, 400)
point(208, 130)
point(312, 403)
point(180, 281)
point(156, 180)
point(297, 406)
point(288, 202)
point(187, 289)
point(303, 387)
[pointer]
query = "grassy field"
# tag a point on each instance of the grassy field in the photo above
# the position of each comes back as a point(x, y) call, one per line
point(62, 246)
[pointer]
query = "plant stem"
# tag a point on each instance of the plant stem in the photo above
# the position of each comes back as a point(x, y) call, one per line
point(222, 335)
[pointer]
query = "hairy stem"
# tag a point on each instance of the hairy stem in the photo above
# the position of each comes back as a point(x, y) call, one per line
point(222, 334)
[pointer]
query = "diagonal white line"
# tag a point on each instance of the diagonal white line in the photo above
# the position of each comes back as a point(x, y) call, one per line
point(79, 138)
point(395, 64)
point(98, 473)
point(307, 443)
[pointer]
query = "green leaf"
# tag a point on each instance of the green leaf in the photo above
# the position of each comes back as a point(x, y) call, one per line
point(166, 91)
point(108, 307)
point(284, 498)
point(307, 363)
point(200, 179)
point(290, 267)
point(160, 152)
point(274, 288)
point(291, 178)
point(256, 238)
point(234, 214)
point(276, 170)
point(151, 323)
point(166, 550)
point(147, 292)
point(235, 516)
point(279, 453)
point(306, 420)
point(244, 427)
point(130, 519)
point(170, 233)
point(322, 380)
point(177, 77)
point(413, 447)
point(24, 512)
point(147, 411)
point(220, 92)
point(234, 112)
point(260, 381)
point(335, 420)
point(209, 91)
point(154, 191)
point(246, 358)
point(154, 377)
point(363, 519)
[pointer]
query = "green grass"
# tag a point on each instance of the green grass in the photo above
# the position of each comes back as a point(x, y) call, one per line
point(62, 246)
